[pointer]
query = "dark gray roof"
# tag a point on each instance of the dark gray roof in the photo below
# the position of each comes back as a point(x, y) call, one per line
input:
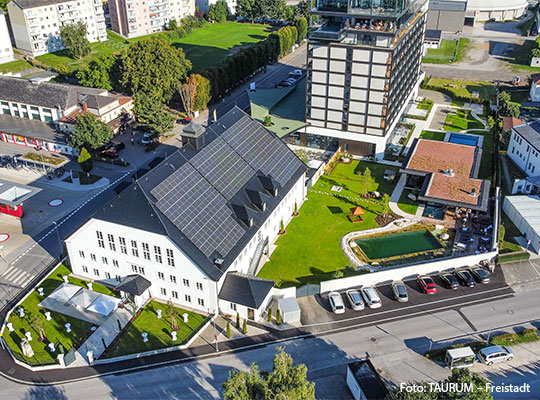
point(433, 34)
point(369, 380)
point(37, 3)
point(31, 129)
point(448, 5)
point(134, 284)
point(245, 290)
point(205, 200)
point(96, 101)
point(530, 132)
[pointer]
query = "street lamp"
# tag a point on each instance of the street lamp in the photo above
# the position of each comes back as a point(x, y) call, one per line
point(58, 235)
point(490, 325)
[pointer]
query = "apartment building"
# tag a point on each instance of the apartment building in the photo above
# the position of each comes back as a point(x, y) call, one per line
point(204, 5)
point(36, 23)
point(524, 151)
point(6, 50)
point(132, 18)
point(363, 67)
point(198, 225)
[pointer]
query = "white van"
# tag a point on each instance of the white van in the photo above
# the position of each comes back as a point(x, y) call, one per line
point(371, 297)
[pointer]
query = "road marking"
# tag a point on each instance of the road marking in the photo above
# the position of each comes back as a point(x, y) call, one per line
point(17, 276)
point(535, 267)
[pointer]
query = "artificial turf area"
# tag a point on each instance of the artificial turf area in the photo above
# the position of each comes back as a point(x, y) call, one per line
point(460, 121)
point(55, 330)
point(310, 251)
point(158, 329)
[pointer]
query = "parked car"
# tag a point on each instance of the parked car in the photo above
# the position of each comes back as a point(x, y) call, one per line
point(427, 284)
point(371, 297)
point(480, 274)
point(355, 299)
point(464, 277)
point(296, 73)
point(336, 303)
point(400, 291)
point(494, 354)
point(449, 280)
point(184, 121)
point(147, 139)
point(109, 153)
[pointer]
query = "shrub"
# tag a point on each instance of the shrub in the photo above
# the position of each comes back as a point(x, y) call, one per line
point(281, 227)
point(510, 257)
point(269, 319)
point(504, 339)
point(228, 333)
point(244, 328)
point(278, 317)
point(267, 120)
point(237, 321)
point(337, 274)
point(85, 161)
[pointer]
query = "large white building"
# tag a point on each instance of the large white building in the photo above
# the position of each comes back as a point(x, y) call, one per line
point(132, 18)
point(36, 23)
point(198, 225)
point(204, 5)
point(524, 151)
point(6, 50)
point(523, 212)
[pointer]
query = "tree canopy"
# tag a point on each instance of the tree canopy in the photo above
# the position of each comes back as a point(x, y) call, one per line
point(102, 72)
point(154, 68)
point(152, 115)
point(218, 11)
point(90, 132)
point(74, 39)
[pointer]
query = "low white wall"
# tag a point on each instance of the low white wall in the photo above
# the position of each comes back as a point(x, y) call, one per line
point(390, 274)
point(278, 293)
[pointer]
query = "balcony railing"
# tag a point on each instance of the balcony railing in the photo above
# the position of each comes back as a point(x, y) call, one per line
point(328, 31)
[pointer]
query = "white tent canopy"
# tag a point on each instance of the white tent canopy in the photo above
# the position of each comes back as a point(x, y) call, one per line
point(104, 304)
point(83, 298)
point(64, 292)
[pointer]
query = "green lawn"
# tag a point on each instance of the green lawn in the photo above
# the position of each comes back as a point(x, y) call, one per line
point(310, 251)
point(463, 47)
point(54, 330)
point(406, 204)
point(15, 66)
point(487, 155)
point(464, 88)
point(432, 135)
point(519, 58)
point(509, 245)
point(443, 55)
point(159, 331)
point(460, 121)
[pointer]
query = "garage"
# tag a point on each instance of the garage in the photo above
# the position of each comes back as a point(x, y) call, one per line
point(523, 212)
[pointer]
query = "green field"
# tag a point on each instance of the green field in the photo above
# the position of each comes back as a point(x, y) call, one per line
point(460, 121)
point(443, 55)
point(15, 66)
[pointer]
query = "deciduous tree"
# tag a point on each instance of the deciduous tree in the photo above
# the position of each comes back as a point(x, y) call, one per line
point(85, 160)
point(218, 11)
point(103, 73)
point(385, 201)
point(74, 39)
point(90, 132)
point(188, 93)
point(152, 115)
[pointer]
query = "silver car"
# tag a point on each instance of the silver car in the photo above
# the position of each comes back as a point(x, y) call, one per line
point(400, 291)
point(336, 303)
point(355, 299)
point(494, 354)
point(371, 297)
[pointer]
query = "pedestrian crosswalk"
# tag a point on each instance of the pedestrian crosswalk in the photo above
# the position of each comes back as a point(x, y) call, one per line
point(17, 276)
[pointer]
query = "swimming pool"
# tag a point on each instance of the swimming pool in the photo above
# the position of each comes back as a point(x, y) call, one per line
point(395, 244)
point(460, 138)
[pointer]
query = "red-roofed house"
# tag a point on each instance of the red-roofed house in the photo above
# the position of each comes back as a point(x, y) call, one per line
point(509, 122)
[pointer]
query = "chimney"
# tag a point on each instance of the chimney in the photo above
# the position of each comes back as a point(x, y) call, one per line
point(194, 135)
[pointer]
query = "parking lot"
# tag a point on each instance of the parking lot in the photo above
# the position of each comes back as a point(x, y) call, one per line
point(316, 309)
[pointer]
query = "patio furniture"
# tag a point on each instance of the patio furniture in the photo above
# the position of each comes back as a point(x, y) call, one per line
point(145, 337)
point(173, 334)
point(158, 311)
point(186, 316)
point(355, 215)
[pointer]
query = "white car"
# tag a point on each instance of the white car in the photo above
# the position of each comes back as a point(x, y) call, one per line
point(336, 302)
point(296, 73)
point(355, 299)
point(371, 297)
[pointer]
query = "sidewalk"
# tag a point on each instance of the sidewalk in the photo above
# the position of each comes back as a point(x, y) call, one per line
point(394, 199)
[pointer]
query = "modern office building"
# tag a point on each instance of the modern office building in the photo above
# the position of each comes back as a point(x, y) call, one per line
point(132, 18)
point(36, 23)
point(6, 50)
point(363, 67)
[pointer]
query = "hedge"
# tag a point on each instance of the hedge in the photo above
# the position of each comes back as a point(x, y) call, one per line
point(510, 257)
point(507, 339)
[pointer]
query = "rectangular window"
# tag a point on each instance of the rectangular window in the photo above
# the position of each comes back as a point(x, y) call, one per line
point(186, 282)
point(85, 269)
point(104, 260)
point(233, 306)
point(112, 245)
point(101, 243)
point(134, 268)
point(134, 249)
point(93, 257)
point(146, 251)
point(163, 292)
point(201, 302)
point(157, 254)
point(81, 253)
point(170, 257)
point(199, 285)
point(107, 275)
point(123, 248)
point(141, 270)
point(174, 294)
point(188, 298)
point(96, 272)
point(161, 276)
point(115, 263)
point(173, 278)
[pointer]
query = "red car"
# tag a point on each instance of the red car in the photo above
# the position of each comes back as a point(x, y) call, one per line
point(427, 284)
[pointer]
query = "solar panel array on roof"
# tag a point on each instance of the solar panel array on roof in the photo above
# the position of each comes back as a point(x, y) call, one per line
point(216, 161)
point(193, 205)
point(258, 147)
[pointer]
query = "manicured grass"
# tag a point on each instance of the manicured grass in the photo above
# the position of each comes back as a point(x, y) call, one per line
point(512, 257)
point(310, 251)
point(55, 331)
point(464, 45)
point(425, 104)
point(509, 244)
point(443, 55)
point(460, 121)
point(432, 135)
point(519, 58)
point(15, 66)
point(407, 205)
point(487, 155)
point(159, 331)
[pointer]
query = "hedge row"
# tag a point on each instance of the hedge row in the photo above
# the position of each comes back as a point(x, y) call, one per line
point(506, 339)
point(510, 257)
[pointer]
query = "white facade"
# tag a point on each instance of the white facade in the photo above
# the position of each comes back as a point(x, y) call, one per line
point(534, 93)
point(204, 5)
point(523, 212)
point(118, 250)
point(6, 50)
point(526, 157)
point(37, 29)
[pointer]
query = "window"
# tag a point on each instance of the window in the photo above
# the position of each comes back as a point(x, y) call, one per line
point(173, 278)
point(161, 276)
point(134, 249)
point(141, 270)
point(93, 257)
point(123, 248)
point(85, 269)
point(201, 302)
point(186, 282)
point(163, 292)
point(233, 306)
point(174, 294)
point(104, 260)
point(117, 278)
point(112, 245)
point(134, 268)
point(513, 149)
point(146, 251)
point(101, 243)
point(170, 257)
point(188, 298)
point(115, 263)
point(107, 275)
point(157, 254)
point(96, 272)
point(199, 285)
point(81, 253)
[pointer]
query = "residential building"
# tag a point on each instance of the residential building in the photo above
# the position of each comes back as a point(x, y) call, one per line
point(43, 114)
point(6, 50)
point(446, 15)
point(200, 224)
point(132, 18)
point(523, 212)
point(432, 39)
point(524, 151)
point(36, 23)
point(534, 92)
point(363, 67)
point(204, 5)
